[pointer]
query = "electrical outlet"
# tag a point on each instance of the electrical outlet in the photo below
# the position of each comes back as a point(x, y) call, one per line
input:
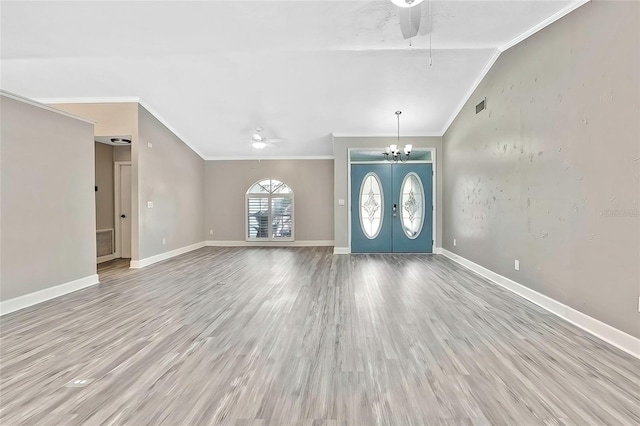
point(517, 265)
point(164, 241)
point(454, 241)
point(210, 231)
point(149, 204)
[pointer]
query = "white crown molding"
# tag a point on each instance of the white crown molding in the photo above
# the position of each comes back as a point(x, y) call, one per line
point(290, 157)
point(302, 243)
point(137, 264)
point(166, 124)
point(122, 99)
point(550, 20)
point(560, 14)
point(42, 105)
point(378, 136)
point(609, 334)
point(90, 100)
point(15, 304)
point(471, 90)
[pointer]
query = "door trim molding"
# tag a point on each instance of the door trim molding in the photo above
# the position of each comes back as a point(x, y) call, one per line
point(434, 194)
point(116, 204)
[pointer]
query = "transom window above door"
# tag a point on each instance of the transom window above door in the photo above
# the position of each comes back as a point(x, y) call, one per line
point(269, 211)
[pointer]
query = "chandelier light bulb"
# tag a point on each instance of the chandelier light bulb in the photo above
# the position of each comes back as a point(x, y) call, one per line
point(406, 3)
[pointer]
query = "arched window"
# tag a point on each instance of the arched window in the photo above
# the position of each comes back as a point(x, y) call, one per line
point(269, 211)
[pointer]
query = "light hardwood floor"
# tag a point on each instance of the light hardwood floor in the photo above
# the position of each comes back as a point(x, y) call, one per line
point(298, 335)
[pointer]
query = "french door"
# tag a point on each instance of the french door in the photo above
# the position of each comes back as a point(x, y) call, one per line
point(392, 208)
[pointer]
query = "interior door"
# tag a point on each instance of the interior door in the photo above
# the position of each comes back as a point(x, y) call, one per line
point(124, 216)
point(370, 221)
point(391, 208)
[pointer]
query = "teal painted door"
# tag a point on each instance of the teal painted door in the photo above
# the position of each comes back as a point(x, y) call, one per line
point(370, 212)
point(391, 208)
point(412, 191)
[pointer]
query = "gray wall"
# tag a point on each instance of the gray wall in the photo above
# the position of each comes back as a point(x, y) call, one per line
point(48, 212)
point(548, 174)
point(228, 181)
point(172, 176)
point(104, 182)
point(341, 147)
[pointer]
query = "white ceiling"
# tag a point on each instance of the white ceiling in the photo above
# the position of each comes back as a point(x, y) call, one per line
point(215, 70)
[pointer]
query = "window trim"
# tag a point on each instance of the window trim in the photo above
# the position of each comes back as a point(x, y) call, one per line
point(269, 197)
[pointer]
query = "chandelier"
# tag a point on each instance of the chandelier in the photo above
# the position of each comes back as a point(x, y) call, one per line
point(393, 153)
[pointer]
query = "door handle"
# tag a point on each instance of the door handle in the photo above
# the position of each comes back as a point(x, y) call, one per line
point(123, 216)
point(395, 208)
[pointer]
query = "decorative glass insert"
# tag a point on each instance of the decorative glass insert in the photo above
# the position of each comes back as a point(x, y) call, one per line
point(412, 205)
point(371, 205)
point(269, 186)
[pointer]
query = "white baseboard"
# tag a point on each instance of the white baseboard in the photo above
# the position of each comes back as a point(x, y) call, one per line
point(107, 258)
point(306, 243)
point(438, 250)
point(137, 264)
point(15, 304)
point(609, 334)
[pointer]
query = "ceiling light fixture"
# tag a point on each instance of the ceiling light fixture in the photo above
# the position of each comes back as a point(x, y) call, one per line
point(392, 153)
point(258, 141)
point(121, 141)
point(406, 3)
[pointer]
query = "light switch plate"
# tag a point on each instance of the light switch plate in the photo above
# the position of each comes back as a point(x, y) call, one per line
point(149, 204)
point(149, 145)
point(341, 202)
point(516, 265)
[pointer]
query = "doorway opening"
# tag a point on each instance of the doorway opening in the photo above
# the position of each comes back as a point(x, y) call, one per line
point(112, 193)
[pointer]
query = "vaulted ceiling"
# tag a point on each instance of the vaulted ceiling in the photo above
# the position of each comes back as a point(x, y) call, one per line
point(216, 70)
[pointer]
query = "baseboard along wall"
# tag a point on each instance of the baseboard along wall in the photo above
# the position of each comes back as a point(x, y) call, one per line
point(609, 334)
point(21, 302)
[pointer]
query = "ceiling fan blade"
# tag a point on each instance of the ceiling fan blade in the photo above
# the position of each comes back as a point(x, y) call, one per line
point(427, 21)
point(410, 20)
point(276, 140)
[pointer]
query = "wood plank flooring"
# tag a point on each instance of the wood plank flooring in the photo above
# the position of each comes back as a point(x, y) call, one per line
point(299, 336)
